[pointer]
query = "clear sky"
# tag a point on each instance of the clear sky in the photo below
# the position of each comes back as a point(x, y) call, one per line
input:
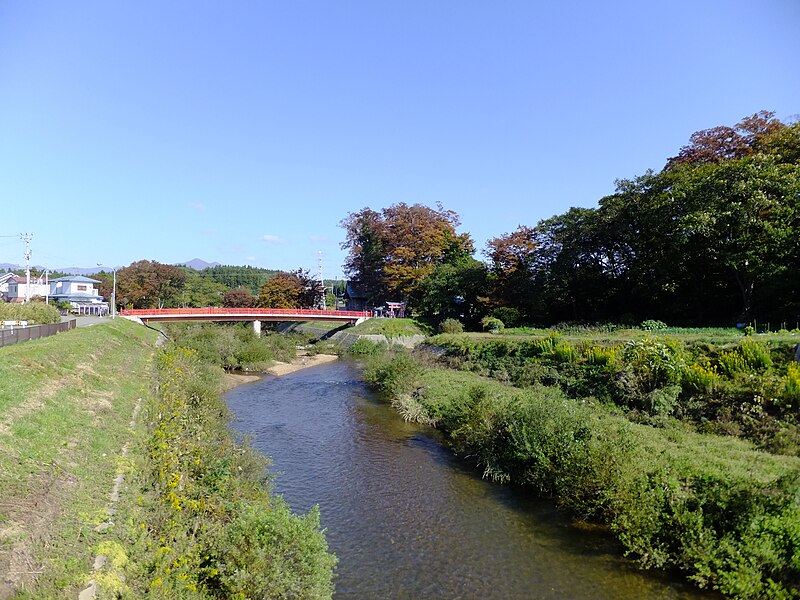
point(243, 132)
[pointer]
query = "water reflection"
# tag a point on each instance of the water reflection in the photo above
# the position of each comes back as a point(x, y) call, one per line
point(409, 520)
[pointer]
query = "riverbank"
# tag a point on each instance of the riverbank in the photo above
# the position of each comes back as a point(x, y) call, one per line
point(712, 507)
point(66, 402)
point(192, 519)
point(302, 361)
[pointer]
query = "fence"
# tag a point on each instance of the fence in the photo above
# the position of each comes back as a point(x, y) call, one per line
point(24, 334)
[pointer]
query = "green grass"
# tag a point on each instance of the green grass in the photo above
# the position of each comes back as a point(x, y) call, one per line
point(195, 519)
point(391, 327)
point(612, 334)
point(65, 404)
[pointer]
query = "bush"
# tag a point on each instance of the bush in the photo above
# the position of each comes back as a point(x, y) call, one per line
point(365, 347)
point(451, 326)
point(394, 372)
point(204, 525)
point(653, 325)
point(36, 313)
point(790, 395)
point(493, 324)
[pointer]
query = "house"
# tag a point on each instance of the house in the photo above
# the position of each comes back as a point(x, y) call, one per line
point(20, 290)
point(355, 296)
point(4, 279)
point(80, 292)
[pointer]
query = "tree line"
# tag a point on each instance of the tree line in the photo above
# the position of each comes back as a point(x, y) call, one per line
point(712, 238)
point(151, 284)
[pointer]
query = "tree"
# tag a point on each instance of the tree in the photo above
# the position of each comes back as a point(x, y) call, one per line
point(296, 289)
point(455, 290)
point(728, 143)
point(392, 252)
point(366, 258)
point(149, 284)
point(201, 290)
point(239, 298)
point(513, 271)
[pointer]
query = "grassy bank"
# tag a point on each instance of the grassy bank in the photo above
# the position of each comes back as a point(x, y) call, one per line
point(743, 386)
point(716, 508)
point(195, 519)
point(65, 405)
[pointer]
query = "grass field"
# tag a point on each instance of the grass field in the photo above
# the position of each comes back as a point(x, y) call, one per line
point(391, 327)
point(65, 405)
point(600, 334)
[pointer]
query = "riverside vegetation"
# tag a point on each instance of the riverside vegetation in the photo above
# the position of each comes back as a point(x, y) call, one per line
point(686, 451)
point(195, 519)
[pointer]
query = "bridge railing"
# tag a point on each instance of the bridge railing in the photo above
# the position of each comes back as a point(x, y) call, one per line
point(154, 312)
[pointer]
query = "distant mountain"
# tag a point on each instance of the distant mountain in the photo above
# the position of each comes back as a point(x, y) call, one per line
point(198, 264)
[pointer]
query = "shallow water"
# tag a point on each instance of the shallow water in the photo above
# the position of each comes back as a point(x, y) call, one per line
point(405, 517)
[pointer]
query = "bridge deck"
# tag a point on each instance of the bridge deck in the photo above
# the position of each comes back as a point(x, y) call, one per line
point(245, 314)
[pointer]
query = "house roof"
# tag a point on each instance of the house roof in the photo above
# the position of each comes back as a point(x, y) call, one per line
point(77, 279)
point(6, 277)
point(355, 290)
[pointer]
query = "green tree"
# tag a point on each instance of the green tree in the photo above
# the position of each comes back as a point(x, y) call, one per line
point(200, 290)
point(455, 291)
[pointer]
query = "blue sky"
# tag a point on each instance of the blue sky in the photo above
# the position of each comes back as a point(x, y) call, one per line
point(244, 132)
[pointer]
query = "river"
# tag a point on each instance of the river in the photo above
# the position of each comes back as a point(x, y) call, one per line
point(405, 517)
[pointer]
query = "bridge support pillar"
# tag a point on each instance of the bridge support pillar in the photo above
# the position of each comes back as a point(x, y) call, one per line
point(257, 328)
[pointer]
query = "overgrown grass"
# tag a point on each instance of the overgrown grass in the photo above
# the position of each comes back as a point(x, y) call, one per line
point(391, 327)
point(714, 507)
point(745, 388)
point(36, 313)
point(611, 333)
point(235, 346)
point(202, 523)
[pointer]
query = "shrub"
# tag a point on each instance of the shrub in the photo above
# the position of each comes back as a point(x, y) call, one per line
point(701, 379)
point(653, 325)
point(451, 326)
point(565, 353)
point(394, 372)
point(790, 395)
point(655, 363)
point(36, 313)
point(755, 355)
point(601, 355)
point(493, 324)
point(365, 347)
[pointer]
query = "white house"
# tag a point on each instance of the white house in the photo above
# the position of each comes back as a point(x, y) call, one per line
point(80, 292)
point(4, 279)
point(19, 289)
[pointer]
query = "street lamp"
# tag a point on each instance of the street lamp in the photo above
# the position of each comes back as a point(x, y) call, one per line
point(113, 293)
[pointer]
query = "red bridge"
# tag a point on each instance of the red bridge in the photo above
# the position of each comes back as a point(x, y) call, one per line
point(256, 315)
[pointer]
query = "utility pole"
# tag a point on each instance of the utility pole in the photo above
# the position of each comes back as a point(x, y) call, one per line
point(26, 237)
point(321, 280)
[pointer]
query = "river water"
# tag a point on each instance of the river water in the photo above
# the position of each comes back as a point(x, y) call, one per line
point(405, 517)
